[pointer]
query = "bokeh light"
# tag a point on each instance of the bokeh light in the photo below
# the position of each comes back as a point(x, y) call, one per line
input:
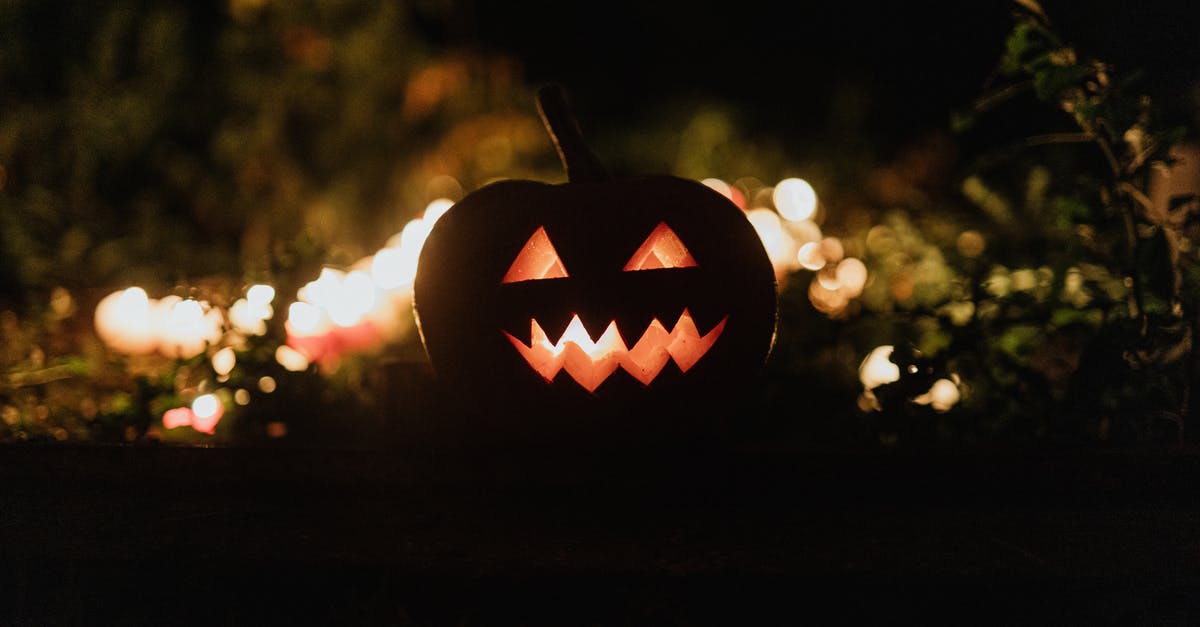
point(795, 199)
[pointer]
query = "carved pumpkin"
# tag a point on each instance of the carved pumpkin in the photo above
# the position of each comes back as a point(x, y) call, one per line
point(596, 289)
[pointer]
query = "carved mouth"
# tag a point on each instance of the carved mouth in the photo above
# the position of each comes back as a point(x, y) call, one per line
point(590, 362)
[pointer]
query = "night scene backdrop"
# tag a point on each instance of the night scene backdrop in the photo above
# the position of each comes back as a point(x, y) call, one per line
point(981, 218)
point(968, 208)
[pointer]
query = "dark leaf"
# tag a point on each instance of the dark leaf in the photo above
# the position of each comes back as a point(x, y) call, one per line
point(1051, 81)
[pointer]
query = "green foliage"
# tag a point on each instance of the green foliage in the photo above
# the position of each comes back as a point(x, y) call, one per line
point(1100, 328)
point(179, 145)
point(171, 141)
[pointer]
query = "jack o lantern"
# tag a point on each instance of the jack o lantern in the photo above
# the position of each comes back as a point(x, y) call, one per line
point(596, 289)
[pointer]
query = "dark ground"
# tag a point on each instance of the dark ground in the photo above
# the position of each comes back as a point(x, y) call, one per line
point(146, 535)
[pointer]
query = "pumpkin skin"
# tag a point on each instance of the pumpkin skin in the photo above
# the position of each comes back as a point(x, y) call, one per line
point(471, 320)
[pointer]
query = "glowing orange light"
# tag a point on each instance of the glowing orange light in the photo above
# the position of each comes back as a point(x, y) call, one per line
point(590, 362)
point(810, 256)
point(203, 415)
point(942, 396)
point(207, 410)
point(537, 260)
point(178, 417)
point(127, 322)
point(662, 249)
point(795, 199)
point(327, 347)
point(852, 274)
point(649, 356)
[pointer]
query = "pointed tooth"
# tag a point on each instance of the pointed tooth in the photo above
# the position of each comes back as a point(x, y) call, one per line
point(516, 322)
point(649, 354)
point(538, 356)
point(595, 323)
point(588, 370)
point(633, 324)
point(706, 316)
point(554, 324)
point(688, 345)
point(667, 315)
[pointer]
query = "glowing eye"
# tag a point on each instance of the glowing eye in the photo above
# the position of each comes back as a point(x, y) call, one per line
point(537, 260)
point(663, 249)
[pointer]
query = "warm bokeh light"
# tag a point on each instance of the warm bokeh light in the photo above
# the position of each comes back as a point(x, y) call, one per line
point(942, 396)
point(414, 233)
point(185, 313)
point(177, 417)
point(126, 322)
point(725, 189)
point(133, 303)
point(207, 410)
point(852, 275)
point(436, 209)
point(291, 359)
point(260, 295)
point(202, 416)
point(391, 268)
point(809, 256)
point(190, 327)
point(353, 297)
point(324, 290)
point(971, 243)
point(303, 318)
point(828, 279)
point(780, 246)
point(266, 385)
point(250, 318)
point(832, 249)
point(878, 369)
point(795, 199)
point(719, 186)
point(223, 361)
point(361, 309)
point(132, 323)
point(804, 231)
point(830, 301)
point(206, 406)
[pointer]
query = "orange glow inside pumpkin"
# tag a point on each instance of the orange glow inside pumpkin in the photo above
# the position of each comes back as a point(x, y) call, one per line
point(662, 249)
point(590, 362)
point(537, 260)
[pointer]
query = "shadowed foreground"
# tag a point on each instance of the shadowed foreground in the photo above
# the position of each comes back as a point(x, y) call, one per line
point(215, 536)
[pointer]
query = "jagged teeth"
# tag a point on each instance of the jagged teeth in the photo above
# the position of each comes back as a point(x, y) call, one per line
point(591, 361)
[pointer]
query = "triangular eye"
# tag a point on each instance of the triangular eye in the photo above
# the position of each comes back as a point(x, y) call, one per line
point(663, 249)
point(537, 260)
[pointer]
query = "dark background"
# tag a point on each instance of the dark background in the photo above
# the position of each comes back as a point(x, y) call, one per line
point(789, 67)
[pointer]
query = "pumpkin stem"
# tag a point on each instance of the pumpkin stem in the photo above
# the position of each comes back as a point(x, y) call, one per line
point(579, 162)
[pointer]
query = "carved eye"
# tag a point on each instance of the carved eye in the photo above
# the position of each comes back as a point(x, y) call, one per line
point(537, 260)
point(662, 249)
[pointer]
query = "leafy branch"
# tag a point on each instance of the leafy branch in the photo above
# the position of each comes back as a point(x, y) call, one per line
point(1126, 134)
